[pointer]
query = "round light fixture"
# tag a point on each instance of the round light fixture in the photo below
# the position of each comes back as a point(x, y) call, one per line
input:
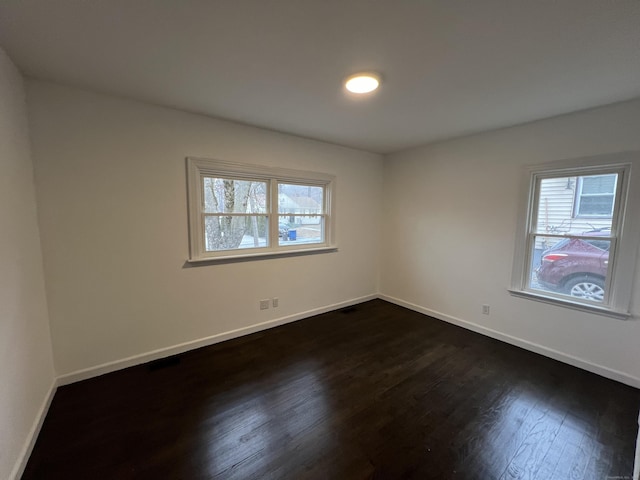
point(362, 82)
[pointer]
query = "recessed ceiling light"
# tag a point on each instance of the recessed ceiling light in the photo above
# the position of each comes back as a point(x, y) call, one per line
point(362, 82)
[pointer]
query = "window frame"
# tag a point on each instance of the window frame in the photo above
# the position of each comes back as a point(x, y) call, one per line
point(580, 194)
point(625, 231)
point(199, 168)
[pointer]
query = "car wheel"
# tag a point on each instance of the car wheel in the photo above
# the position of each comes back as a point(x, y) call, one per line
point(589, 288)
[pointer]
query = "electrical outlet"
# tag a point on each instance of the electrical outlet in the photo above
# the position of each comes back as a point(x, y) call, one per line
point(264, 304)
point(485, 309)
point(274, 302)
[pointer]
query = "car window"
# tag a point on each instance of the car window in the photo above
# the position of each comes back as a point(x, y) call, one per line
point(601, 244)
point(559, 244)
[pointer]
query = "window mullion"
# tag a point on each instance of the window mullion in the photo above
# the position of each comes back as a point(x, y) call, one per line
point(274, 214)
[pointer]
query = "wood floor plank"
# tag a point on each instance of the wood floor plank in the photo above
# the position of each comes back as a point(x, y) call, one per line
point(374, 391)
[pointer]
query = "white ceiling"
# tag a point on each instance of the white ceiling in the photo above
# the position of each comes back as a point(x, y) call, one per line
point(450, 67)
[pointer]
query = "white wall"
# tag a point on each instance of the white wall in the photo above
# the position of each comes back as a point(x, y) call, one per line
point(110, 175)
point(26, 365)
point(450, 219)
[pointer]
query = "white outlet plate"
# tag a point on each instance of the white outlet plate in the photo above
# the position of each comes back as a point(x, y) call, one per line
point(274, 302)
point(264, 304)
point(485, 309)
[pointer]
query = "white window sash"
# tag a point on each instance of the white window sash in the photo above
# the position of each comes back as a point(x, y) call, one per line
point(623, 247)
point(198, 169)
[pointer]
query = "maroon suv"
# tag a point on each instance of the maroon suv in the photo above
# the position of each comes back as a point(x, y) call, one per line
point(576, 267)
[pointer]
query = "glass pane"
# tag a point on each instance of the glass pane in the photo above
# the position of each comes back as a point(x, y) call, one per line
point(599, 184)
point(224, 195)
point(559, 206)
point(596, 195)
point(596, 205)
point(573, 267)
point(300, 199)
point(300, 230)
point(233, 231)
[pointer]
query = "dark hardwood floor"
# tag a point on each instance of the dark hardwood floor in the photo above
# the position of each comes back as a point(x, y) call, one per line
point(370, 392)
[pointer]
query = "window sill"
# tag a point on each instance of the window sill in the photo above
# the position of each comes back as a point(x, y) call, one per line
point(569, 304)
point(244, 257)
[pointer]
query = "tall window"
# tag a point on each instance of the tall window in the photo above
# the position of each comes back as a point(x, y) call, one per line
point(578, 237)
point(242, 210)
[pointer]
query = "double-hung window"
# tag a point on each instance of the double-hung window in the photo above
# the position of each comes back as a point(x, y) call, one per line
point(578, 234)
point(240, 210)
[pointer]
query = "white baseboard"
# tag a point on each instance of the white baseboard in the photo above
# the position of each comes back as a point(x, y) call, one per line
point(519, 342)
point(23, 458)
point(636, 465)
point(203, 342)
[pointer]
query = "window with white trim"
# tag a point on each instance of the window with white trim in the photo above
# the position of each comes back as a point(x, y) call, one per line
point(238, 210)
point(595, 196)
point(577, 238)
